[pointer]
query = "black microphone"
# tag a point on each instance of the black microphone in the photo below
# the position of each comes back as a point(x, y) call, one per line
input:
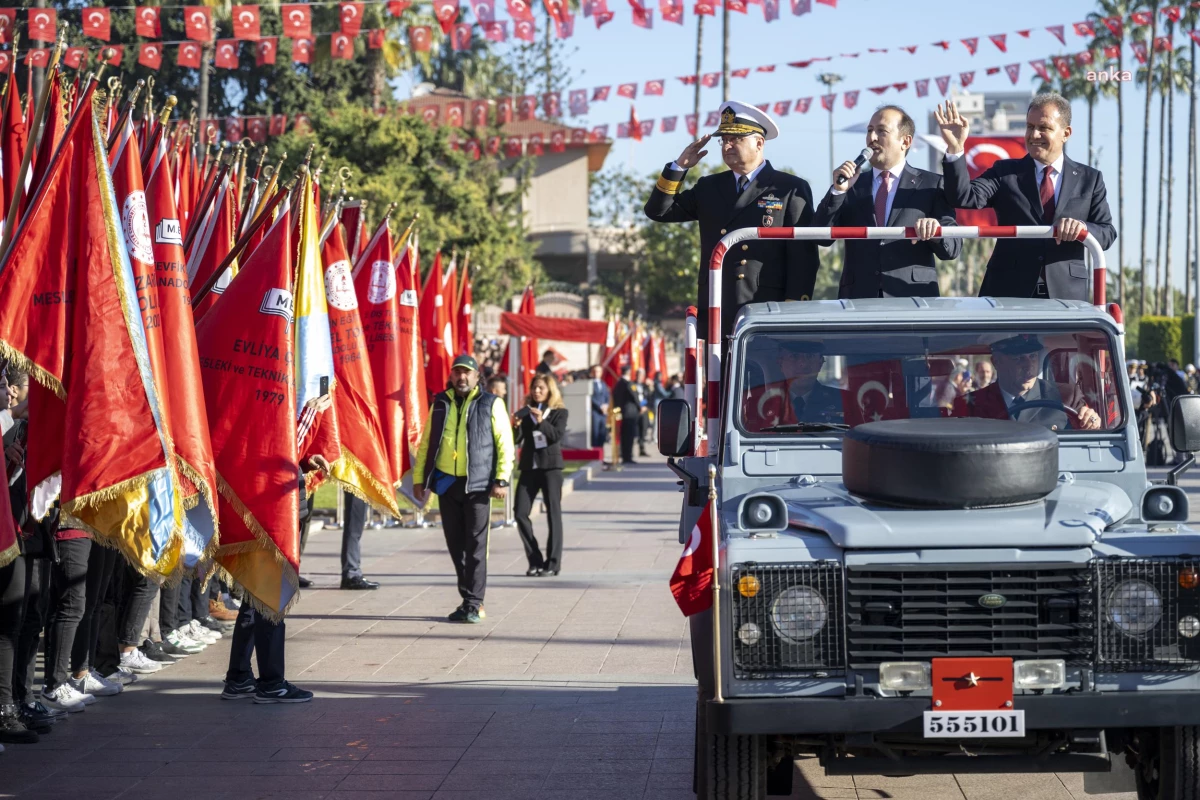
point(858, 162)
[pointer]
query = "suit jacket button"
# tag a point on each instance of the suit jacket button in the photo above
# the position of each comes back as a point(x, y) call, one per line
point(743, 262)
point(876, 272)
point(722, 231)
point(745, 247)
point(741, 276)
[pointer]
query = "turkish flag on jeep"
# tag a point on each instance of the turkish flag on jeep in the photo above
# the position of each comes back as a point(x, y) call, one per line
point(691, 583)
point(874, 391)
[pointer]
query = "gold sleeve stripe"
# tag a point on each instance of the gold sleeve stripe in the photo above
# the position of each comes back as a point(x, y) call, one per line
point(667, 187)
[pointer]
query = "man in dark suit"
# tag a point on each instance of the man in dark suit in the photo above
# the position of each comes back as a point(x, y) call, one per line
point(599, 402)
point(751, 194)
point(897, 196)
point(1043, 188)
point(1018, 362)
point(624, 398)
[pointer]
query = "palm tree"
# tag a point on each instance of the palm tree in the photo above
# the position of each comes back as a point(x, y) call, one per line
point(1137, 34)
point(1192, 242)
point(1105, 37)
point(1178, 80)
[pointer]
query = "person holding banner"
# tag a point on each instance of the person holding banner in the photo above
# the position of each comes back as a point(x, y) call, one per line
point(540, 428)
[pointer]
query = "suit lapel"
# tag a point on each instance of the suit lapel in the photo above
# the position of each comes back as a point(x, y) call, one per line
point(908, 182)
point(1066, 186)
point(761, 183)
point(862, 195)
point(1027, 182)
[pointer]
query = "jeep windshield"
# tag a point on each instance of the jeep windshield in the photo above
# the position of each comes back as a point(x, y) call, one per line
point(794, 382)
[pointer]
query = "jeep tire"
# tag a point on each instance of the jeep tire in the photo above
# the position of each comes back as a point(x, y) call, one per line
point(1168, 764)
point(728, 767)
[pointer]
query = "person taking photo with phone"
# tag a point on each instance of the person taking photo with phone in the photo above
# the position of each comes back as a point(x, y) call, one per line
point(540, 427)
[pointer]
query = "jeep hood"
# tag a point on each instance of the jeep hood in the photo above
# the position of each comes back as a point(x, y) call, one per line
point(1075, 514)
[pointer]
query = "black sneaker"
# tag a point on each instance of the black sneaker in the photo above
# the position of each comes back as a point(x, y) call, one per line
point(459, 614)
point(304, 582)
point(173, 650)
point(155, 652)
point(358, 583)
point(35, 721)
point(284, 693)
point(37, 708)
point(214, 625)
point(238, 691)
point(474, 615)
point(12, 727)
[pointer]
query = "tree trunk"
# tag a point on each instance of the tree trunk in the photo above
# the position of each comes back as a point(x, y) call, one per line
point(1169, 293)
point(1158, 223)
point(206, 54)
point(724, 53)
point(1146, 158)
point(1120, 188)
point(699, 51)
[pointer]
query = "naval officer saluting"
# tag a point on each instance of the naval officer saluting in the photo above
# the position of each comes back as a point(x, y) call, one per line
point(751, 194)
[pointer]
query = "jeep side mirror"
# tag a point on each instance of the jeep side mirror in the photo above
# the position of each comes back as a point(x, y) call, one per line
point(675, 429)
point(1184, 424)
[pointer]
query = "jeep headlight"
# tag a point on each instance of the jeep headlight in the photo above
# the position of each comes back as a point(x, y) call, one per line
point(799, 613)
point(1134, 607)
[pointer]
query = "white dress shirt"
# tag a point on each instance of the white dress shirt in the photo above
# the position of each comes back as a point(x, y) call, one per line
point(876, 181)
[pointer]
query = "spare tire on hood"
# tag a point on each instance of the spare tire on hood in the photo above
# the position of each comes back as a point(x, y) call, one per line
point(950, 463)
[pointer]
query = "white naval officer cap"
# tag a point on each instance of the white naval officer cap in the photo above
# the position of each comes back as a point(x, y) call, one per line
point(741, 119)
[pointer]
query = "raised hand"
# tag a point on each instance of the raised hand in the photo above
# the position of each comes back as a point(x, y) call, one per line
point(692, 154)
point(954, 127)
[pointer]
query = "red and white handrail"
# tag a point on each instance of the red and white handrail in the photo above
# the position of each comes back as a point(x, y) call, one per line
point(689, 369)
point(1096, 279)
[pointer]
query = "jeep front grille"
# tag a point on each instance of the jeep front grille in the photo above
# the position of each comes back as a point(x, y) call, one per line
point(798, 596)
point(1151, 641)
point(895, 614)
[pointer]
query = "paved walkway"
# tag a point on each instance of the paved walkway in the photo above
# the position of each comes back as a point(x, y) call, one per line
point(575, 688)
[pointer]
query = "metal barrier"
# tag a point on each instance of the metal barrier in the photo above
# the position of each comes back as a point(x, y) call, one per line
point(1096, 278)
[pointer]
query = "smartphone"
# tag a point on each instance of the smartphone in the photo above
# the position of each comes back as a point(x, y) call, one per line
point(324, 385)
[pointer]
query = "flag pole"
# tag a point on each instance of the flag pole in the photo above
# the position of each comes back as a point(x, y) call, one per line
point(716, 581)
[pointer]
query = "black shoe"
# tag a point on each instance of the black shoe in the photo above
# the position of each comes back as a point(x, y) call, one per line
point(304, 582)
point(12, 727)
point(628, 461)
point(284, 693)
point(239, 691)
point(214, 625)
point(459, 614)
point(35, 720)
point(36, 707)
point(534, 572)
point(358, 583)
point(474, 615)
point(549, 572)
point(172, 650)
point(154, 651)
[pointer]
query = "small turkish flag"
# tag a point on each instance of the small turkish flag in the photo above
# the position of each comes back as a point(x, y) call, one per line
point(558, 142)
point(943, 83)
point(577, 102)
point(600, 93)
point(37, 57)
point(782, 108)
point(635, 126)
point(526, 107)
point(520, 10)
point(42, 25)
point(495, 31)
point(227, 54)
point(4, 60)
point(341, 46)
point(627, 90)
point(535, 144)
point(504, 110)
point(118, 52)
point(479, 113)
point(692, 121)
point(713, 119)
point(150, 55)
point(710, 79)
point(668, 124)
point(578, 135)
point(704, 9)
point(420, 37)
point(278, 125)
point(256, 129)
point(72, 58)
point(602, 18)
point(245, 22)
point(1014, 71)
point(197, 22)
point(460, 37)
point(189, 55)
point(525, 30)
point(454, 114)
point(446, 12)
point(148, 22)
point(8, 21)
point(350, 15)
point(485, 10)
point(233, 129)
point(96, 23)
point(551, 104)
point(297, 20)
point(691, 583)
point(512, 147)
point(398, 7)
point(301, 124)
point(429, 113)
point(264, 51)
point(493, 145)
point(643, 18)
point(375, 38)
point(598, 133)
point(654, 87)
point(302, 51)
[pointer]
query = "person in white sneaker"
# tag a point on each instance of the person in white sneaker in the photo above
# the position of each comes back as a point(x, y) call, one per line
point(136, 662)
point(93, 685)
point(66, 697)
point(183, 643)
point(199, 633)
point(67, 599)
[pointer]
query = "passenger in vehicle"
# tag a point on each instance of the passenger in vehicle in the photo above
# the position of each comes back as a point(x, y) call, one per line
point(1018, 362)
point(798, 396)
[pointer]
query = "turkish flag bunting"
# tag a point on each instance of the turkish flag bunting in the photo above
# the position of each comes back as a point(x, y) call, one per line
point(524, 30)
point(603, 18)
point(627, 90)
point(740, 73)
point(520, 10)
point(687, 80)
point(710, 79)
point(770, 10)
point(668, 124)
point(713, 119)
point(579, 135)
point(398, 7)
point(1115, 25)
point(921, 87)
point(972, 44)
point(118, 52)
point(341, 46)
point(534, 147)
point(827, 101)
point(1173, 13)
point(526, 107)
point(256, 129)
point(245, 22)
point(691, 583)
point(493, 146)
point(673, 13)
point(8, 21)
point(302, 51)
point(472, 149)
point(600, 93)
point(642, 17)
point(577, 102)
point(803, 104)
point(598, 133)
point(460, 37)
point(1114, 50)
point(496, 31)
point(1139, 51)
point(265, 49)
point(878, 89)
point(565, 27)
point(1062, 65)
point(704, 9)
point(96, 23)
point(512, 147)
point(479, 113)
point(420, 37)
point(42, 24)
point(552, 104)
point(350, 18)
point(692, 123)
point(73, 58)
point(966, 78)
point(148, 22)
point(37, 57)
point(850, 99)
point(943, 83)
point(1163, 44)
point(558, 142)
point(1084, 58)
point(189, 55)
point(801, 7)
point(1057, 32)
point(783, 107)
point(300, 125)
point(1039, 67)
point(899, 87)
point(150, 55)
point(277, 125)
point(1001, 41)
point(504, 110)
point(454, 114)
point(911, 48)
point(654, 88)
point(1014, 72)
point(446, 12)
point(738, 6)
point(1084, 29)
point(227, 54)
point(375, 38)
point(555, 9)
point(942, 44)
point(1025, 33)
point(485, 10)
point(297, 20)
point(198, 23)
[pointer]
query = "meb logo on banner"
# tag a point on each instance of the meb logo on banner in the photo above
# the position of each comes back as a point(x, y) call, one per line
point(409, 298)
point(278, 302)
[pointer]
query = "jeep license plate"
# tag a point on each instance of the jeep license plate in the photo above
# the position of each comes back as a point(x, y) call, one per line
point(973, 724)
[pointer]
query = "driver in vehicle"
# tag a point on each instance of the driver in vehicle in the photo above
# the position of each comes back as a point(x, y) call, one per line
point(798, 397)
point(1018, 362)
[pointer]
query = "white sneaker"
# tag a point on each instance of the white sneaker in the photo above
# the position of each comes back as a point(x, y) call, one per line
point(181, 640)
point(135, 661)
point(123, 676)
point(199, 633)
point(65, 698)
point(96, 686)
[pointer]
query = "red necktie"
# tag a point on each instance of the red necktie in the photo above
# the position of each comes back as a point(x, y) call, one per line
point(881, 197)
point(1046, 195)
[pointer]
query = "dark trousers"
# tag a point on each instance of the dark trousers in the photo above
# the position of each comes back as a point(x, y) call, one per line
point(100, 565)
point(599, 430)
point(137, 597)
point(68, 597)
point(254, 634)
point(37, 601)
point(629, 428)
point(549, 482)
point(168, 607)
point(352, 531)
point(12, 598)
point(466, 521)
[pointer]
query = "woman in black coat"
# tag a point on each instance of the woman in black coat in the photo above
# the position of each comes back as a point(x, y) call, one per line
point(540, 428)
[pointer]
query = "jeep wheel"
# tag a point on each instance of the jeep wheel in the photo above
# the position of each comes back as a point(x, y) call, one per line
point(1168, 765)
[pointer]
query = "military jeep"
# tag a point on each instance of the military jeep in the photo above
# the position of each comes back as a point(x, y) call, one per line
point(924, 571)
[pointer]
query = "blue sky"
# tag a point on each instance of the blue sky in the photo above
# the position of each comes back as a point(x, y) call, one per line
point(621, 53)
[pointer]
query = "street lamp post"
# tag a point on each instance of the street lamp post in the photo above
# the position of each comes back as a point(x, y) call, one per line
point(829, 79)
